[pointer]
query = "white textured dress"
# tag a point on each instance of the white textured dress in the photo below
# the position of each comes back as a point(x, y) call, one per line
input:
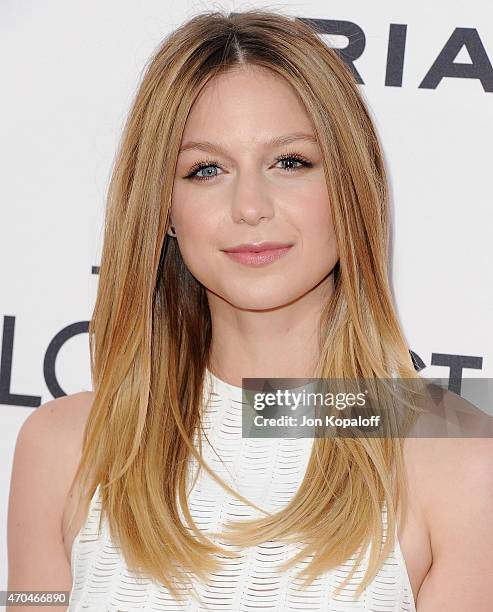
point(267, 471)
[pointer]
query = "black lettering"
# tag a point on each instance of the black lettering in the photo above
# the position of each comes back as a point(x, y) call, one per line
point(444, 65)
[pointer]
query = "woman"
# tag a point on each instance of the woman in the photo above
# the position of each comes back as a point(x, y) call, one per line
point(246, 129)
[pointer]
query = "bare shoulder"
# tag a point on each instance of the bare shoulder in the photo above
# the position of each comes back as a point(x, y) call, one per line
point(451, 443)
point(60, 415)
point(52, 434)
point(445, 468)
point(46, 456)
point(455, 463)
point(453, 480)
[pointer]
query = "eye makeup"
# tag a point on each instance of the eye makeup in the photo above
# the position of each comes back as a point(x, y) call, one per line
point(202, 165)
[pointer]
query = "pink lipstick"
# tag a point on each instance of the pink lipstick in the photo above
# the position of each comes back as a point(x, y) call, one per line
point(258, 253)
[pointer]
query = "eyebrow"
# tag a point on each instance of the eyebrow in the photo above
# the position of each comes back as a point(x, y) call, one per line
point(275, 141)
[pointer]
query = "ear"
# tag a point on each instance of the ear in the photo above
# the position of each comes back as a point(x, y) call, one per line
point(171, 230)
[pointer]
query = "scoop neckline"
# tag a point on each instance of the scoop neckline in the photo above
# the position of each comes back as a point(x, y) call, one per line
point(219, 381)
point(237, 391)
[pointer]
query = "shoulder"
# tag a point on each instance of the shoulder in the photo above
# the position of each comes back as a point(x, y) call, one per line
point(49, 441)
point(449, 448)
point(447, 469)
point(52, 434)
point(46, 456)
point(59, 415)
point(453, 480)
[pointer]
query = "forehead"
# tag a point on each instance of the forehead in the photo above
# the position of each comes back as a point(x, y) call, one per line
point(247, 103)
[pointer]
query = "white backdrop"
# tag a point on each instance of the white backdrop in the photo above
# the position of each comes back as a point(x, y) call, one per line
point(69, 71)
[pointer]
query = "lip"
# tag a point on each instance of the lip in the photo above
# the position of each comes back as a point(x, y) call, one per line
point(258, 258)
point(257, 247)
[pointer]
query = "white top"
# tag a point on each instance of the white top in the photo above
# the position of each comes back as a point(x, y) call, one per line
point(268, 472)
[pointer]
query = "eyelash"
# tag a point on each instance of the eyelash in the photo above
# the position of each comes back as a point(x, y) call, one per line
point(208, 163)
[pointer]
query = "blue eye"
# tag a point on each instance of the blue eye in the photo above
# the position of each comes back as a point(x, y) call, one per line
point(292, 158)
point(208, 164)
point(203, 166)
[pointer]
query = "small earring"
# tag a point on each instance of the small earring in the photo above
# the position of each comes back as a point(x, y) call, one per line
point(173, 231)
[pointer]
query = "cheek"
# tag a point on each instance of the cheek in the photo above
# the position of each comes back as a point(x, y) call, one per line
point(314, 220)
point(193, 216)
point(318, 241)
point(197, 230)
point(197, 235)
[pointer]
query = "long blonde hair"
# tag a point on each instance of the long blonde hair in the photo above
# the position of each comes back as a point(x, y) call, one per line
point(150, 332)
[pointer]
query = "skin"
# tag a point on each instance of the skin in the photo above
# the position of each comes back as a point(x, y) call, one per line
point(263, 325)
point(264, 319)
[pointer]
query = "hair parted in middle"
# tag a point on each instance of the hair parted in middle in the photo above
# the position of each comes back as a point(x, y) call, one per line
point(150, 332)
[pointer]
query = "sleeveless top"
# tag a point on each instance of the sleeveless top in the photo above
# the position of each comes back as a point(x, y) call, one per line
point(268, 472)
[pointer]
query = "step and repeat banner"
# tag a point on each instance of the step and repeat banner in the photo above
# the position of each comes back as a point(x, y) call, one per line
point(69, 71)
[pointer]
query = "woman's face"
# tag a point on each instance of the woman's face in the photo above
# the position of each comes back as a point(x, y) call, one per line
point(248, 195)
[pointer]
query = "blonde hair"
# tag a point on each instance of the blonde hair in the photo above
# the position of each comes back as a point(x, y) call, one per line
point(150, 331)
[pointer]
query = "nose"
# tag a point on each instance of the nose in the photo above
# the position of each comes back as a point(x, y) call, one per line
point(251, 202)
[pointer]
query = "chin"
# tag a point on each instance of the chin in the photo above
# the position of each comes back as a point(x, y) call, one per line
point(260, 302)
